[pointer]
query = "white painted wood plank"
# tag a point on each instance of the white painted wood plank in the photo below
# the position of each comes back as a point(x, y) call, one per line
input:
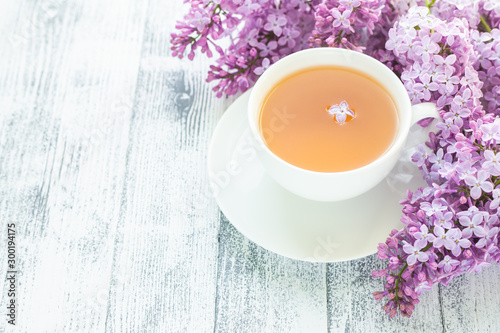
point(8, 13)
point(352, 308)
point(167, 237)
point(259, 291)
point(471, 302)
point(166, 246)
point(66, 90)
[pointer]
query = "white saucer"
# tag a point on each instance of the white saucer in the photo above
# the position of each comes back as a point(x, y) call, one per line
point(292, 226)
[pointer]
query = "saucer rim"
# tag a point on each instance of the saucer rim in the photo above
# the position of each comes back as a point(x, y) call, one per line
point(239, 227)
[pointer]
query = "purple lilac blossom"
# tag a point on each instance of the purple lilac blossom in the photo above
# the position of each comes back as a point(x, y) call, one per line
point(257, 34)
point(460, 163)
point(346, 23)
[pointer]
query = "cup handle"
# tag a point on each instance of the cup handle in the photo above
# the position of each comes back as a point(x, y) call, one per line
point(405, 177)
point(418, 134)
point(422, 111)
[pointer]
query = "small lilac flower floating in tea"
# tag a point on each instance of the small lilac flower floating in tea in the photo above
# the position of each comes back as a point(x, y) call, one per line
point(340, 112)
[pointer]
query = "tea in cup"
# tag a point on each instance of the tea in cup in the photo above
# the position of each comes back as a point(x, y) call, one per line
point(329, 124)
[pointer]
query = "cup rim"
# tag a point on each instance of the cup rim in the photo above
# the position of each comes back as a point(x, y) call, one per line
point(399, 89)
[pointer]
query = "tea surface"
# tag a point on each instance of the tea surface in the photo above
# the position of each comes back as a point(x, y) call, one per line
point(297, 126)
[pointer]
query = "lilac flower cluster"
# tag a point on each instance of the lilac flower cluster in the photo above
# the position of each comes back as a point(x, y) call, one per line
point(452, 226)
point(255, 34)
point(487, 48)
point(436, 59)
point(489, 11)
point(345, 23)
point(446, 52)
point(461, 9)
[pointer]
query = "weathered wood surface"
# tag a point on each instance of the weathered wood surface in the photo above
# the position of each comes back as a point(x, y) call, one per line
point(103, 146)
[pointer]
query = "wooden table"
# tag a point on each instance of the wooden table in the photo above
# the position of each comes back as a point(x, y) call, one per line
point(103, 148)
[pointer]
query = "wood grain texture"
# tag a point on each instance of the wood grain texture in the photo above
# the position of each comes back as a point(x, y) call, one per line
point(165, 261)
point(471, 302)
point(352, 308)
point(69, 75)
point(167, 237)
point(259, 291)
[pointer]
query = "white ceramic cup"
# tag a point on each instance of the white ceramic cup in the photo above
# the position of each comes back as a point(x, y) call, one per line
point(333, 186)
